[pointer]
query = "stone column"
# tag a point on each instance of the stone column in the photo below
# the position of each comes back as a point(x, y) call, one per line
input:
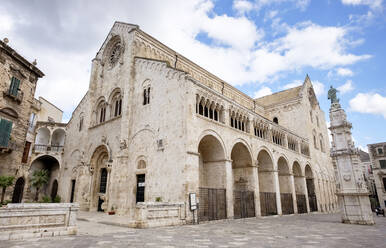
point(292, 180)
point(353, 194)
point(229, 188)
point(321, 195)
point(192, 183)
point(306, 193)
point(277, 190)
point(255, 175)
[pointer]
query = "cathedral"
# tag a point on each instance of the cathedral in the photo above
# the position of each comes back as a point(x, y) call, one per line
point(161, 141)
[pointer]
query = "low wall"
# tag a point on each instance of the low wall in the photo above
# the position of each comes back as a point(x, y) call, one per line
point(152, 214)
point(35, 220)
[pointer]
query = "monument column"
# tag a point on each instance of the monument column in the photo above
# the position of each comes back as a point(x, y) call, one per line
point(351, 188)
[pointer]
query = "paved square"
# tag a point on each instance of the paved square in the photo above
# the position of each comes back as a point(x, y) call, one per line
point(315, 230)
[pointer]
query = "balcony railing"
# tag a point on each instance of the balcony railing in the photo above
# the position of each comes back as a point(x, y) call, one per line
point(56, 148)
point(38, 148)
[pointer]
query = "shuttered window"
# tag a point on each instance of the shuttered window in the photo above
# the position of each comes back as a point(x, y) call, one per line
point(14, 86)
point(382, 163)
point(5, 132)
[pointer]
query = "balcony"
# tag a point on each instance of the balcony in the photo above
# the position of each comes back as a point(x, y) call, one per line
point(17, 98)
point(38, 148)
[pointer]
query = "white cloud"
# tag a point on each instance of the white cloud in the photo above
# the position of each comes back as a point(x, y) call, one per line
point(347, 87)
point(369, 103)
point(242, 6)
point(239, 33)
point(344, 72)
point(301, 4)
point(374, 4)
point(240, 53)
point(364, 148)
point(295, 83)
point(318, 88)
point(263, 91)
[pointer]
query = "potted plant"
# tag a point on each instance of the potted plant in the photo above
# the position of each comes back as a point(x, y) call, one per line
point(112, 211)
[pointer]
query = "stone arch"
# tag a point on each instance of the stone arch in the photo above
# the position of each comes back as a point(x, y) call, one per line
point(43, 136)
point(58, 138)
point(97, 149)
point(300, 187)
point(244, 180)
point(9, 112)
point(285, 185)
point(141, 162)
point(245, 143)
point(99, 110)
point(266, 182)
point(17, 195)
point(212, 178)
point(309, 174)
point(49, 163)
point(99, 164)
point(115, 102)
point(213, 133)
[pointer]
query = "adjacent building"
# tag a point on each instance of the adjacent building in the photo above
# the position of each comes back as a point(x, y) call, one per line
point(378, 161)
point(18, 79)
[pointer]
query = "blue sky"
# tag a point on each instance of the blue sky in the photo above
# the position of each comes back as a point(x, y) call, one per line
point(259, 46)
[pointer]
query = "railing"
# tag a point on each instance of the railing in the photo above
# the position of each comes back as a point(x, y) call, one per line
point(47, 148)
point(56, 148)
point(40, 148)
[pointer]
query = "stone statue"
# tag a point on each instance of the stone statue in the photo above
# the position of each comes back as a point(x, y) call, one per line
point(332, 95)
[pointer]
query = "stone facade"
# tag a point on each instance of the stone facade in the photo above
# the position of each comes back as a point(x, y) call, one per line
point(351, 187)
point(154, 127)
point(378, 161)
point(18, 79)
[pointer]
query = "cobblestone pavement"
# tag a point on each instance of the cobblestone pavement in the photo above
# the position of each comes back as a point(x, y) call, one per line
point(315, 230)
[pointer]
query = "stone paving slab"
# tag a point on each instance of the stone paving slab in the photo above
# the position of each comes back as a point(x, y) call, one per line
point(306, 231)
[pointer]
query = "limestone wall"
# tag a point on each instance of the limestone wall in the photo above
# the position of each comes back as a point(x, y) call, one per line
point(35, 220)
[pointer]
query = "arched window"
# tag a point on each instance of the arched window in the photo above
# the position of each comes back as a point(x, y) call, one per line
point(103, 181)
point(101, 111)
point(102, 114)
point(146, 95)
point(141, 164)
point(275, 120)
point(321, 143)
point(80, 123)
point(315, 139)
point(317, 121)
point(117, 104)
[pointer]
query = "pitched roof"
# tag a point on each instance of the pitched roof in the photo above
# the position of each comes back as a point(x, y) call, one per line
point(281, 96)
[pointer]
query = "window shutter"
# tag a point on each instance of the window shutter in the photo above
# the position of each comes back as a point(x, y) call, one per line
point(5, 132)
point(14, 86)
point(11, 86)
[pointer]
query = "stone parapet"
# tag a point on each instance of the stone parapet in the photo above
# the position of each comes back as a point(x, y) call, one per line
point(151, 214)
point(35, 220)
